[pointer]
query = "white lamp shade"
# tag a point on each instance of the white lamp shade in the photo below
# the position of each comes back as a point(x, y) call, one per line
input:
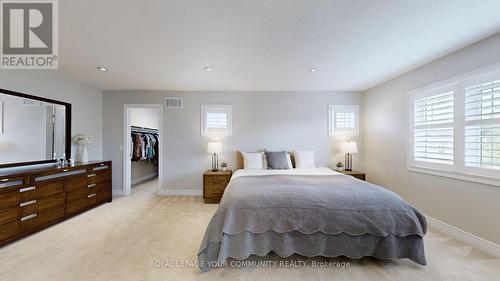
point(214, 147)
point(349, 147)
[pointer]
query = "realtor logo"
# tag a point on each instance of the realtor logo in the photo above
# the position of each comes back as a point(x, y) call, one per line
point(29, 34)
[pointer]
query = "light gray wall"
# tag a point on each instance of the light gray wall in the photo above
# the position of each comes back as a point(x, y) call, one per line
point(86, 100)
point(270, 120)
point(470, 206)
point(148, 118)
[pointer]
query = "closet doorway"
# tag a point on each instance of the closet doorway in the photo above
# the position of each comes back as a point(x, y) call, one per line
point(142, 145)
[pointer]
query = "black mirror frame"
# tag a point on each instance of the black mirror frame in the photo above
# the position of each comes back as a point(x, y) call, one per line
point(68, 128)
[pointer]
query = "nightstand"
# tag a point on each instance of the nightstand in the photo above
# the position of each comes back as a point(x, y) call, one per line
point(356, 174)
point(214, 184)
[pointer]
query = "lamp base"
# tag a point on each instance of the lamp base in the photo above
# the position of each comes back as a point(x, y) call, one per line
point(215, 162)
point(348, 162)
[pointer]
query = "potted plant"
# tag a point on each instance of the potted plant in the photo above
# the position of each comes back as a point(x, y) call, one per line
point(224, 166)
point(340, 165)
point(83, 140)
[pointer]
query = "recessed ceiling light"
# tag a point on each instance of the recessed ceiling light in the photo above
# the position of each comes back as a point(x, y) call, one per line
point(312, 69)
point(208, 68)
point(101, 68)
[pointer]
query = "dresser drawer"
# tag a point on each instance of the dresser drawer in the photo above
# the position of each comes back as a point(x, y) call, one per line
point(8, 215)
point(91, 199)
point(9, 199)
point(76, 194)
point(92, 188)
point(98, 177)
point(104, 187)
point(104, 196)
point(75, 182)
point(217, 180)
point(40, 219)
point(50, 215)
point(76, 206)
point(27, 193)
point(214, 189)
point(102, 168)
point(9, 230)
point(49, 188)
point(7, 183)
point(50, 202)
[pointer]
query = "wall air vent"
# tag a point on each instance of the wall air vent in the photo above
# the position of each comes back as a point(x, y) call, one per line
point(28, 102)
point(173, 102)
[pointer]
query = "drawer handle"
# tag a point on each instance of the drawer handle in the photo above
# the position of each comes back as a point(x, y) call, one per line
point(28, 217)
point(91, 185)
point(91, 175)
point(65, 170)
point(4, 180)
point(91, 195)
point(27, 189)
point(102, 164)
point(27, 203)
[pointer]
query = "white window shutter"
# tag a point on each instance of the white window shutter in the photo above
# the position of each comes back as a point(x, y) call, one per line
point(433, 128)
point(216, 120)
point(482, 125)
point(343, 120)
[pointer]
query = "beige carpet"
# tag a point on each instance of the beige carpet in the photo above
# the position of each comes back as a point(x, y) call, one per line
point(122, 241)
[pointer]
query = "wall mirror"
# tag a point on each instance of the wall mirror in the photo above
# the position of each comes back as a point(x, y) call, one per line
point(33, 130)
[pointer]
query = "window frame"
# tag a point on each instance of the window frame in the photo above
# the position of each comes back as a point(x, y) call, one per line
point(217, 108)
point(350, 108)
point(422, 94)
point(458, 170)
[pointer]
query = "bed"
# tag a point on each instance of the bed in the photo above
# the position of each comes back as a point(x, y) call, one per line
point(310, 212)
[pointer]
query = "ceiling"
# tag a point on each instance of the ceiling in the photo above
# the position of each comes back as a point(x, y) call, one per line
point(262, 44)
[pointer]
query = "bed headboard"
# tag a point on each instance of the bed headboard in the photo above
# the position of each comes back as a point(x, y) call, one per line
point(239, 159)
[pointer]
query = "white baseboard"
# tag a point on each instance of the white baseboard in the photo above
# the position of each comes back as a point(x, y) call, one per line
point(464, 236)
point(143, 179)
point(180, 192)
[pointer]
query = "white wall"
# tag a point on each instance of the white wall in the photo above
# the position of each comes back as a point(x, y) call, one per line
point(470, 206)
point(270, 120)
point(86, 100)
point(147, 118)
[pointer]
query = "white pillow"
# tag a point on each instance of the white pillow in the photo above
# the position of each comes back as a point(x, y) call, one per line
point(253, 160)
point(304, 159)
point(289, 160)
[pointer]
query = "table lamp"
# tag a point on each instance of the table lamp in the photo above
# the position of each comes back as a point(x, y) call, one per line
point(214, 148)
point(349, 148)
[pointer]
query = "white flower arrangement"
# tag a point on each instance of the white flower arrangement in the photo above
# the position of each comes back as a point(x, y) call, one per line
point(83, 139)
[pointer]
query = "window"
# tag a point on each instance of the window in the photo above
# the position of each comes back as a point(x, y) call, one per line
point(455, 128)
point(216, 120)
point(343, 120)
point(433, 128)
point(482, 125)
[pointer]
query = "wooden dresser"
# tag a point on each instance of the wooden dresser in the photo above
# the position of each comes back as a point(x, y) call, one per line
point(33, 198)
point(214, 184)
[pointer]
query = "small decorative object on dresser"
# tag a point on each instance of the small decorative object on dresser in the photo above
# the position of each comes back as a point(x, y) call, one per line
point(340, 166)
point(223, 166)
point(356, 174)
point(214, 184)
point(83, 141)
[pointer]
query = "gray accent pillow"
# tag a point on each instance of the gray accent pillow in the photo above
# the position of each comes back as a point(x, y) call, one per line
point(276, 160)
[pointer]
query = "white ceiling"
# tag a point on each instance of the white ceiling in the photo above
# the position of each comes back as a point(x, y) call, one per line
point(262, 44)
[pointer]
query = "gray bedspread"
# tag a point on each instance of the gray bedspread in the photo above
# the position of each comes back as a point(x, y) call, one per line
point(328, 216)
